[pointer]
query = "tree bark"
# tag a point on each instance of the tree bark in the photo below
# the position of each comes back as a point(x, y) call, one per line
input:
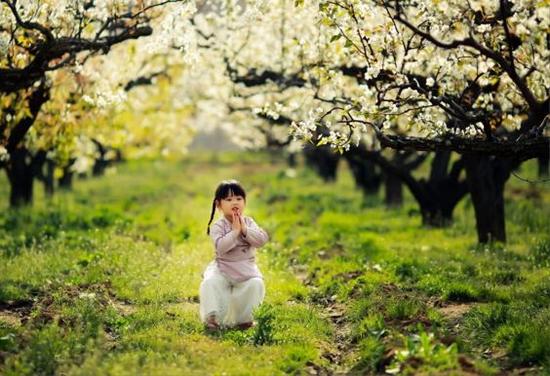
point(544, 167)
point(48, 178)
point(443, 190)
point(393, 197)
point(100, 162)
point(21, 168)
point(486, 177)
point(40, 160)
point(438, 196)
point(365, 173)
point(66, 181)
point(291, 160)
point(323, 160)
point(20, 175)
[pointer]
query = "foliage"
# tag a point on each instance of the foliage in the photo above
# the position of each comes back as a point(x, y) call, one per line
point(105, 280)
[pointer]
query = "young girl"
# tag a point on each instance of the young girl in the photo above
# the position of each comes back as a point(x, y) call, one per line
point(232, 284)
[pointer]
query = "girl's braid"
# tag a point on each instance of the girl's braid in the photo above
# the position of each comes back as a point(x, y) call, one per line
point(211, 217)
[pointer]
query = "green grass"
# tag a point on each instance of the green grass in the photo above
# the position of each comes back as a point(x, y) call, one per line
point(104, 279)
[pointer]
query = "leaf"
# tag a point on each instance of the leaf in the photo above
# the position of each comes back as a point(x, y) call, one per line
point(322, 141)
point(393, 371)
point(326, 21)
point(335, 37)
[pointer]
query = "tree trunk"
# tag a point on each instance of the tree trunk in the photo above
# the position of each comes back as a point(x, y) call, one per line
point(48, 178)
point(39, 161)
point(365, 173)
point(544, 167)
point(291, 160)
point(20, 176)
point(439, 202)
point(393, 191)
point(443, 190)
point(100, 162)
point(323, 160)
point(66, 181)
point(438, 196)
point(486, 177)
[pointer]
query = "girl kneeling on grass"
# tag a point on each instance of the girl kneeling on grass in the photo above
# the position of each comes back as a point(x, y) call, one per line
point(232, 284)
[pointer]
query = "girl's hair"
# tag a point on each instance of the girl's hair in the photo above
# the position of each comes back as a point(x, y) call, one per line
point(225, 189)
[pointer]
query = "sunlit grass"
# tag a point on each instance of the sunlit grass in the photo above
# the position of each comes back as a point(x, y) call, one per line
point(104, 279)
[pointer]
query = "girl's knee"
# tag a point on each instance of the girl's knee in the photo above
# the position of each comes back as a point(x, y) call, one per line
point(210, 283)
point(257, 284)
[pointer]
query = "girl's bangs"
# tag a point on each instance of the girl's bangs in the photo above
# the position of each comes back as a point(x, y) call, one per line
point(231, 189)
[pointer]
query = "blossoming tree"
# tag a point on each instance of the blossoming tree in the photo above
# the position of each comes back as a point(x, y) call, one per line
point(456, 76)
point(39, 42)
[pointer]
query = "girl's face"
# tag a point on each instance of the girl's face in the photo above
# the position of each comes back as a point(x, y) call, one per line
point(230, 204)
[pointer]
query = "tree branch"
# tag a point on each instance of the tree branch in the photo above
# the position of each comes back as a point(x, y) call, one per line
point(473, 43)
point(28, 25)
point(35, 101)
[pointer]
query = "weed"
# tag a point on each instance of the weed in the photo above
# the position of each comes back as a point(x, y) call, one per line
point(264, 330)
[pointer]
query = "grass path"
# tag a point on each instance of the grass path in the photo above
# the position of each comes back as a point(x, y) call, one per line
point(104, 280)
point(121, 298)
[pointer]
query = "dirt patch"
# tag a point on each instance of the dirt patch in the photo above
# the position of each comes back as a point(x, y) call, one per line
point(15, 312)
point(531, 193)
point(10, 318)
point(348, 276)
point(336, 250)
point(191, 299)
point(456, 311)
point(305, 275)
point(44, 309)
point(340, 348)
point(302, 274)
point(122, 307)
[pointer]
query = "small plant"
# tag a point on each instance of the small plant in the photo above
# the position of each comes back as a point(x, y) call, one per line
point(7, 338)
point(402, 309)
point(371, 352)
point(263, 334)
point(461, 292)
point(423, 351)
point(371, 326)
point(408, 271)
point(540, 254)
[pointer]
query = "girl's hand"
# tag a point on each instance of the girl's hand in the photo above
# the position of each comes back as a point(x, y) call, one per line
point(243, 225)
point(236, 224)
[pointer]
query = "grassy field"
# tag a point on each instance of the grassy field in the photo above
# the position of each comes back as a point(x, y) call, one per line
point(104, 280)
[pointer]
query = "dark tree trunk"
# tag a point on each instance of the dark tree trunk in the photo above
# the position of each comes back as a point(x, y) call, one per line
point(40, 161)
point(323, 160)
point(101, 162)
point(48, 178)
point(393, 191)
point(441, 198)
point(438, 196)
point(20, 175)
point(544, 166)
point(443, 191)
point(20, 168)
point(365, 173)
point(393, 184)
point(291, 160)
point(66, 181)
point(486, 177)
point(119, 157)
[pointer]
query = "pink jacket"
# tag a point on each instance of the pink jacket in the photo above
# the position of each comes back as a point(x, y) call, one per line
point(235, 253)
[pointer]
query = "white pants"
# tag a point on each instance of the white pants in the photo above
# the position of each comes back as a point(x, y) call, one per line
point(232, 302)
